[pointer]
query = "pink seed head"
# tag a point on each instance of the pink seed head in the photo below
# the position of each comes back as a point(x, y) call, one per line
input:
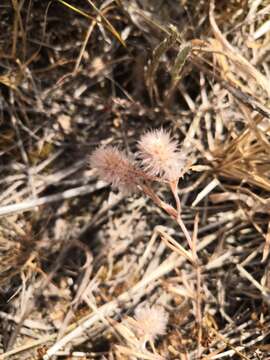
point(114, 167)
point(160, 156)
point(151, 321)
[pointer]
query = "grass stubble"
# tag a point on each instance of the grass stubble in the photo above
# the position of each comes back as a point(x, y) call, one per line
point(81, 265)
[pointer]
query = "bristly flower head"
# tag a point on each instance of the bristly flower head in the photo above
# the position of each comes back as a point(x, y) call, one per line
point(114, 167)
point(160, 156)
point(151, 322)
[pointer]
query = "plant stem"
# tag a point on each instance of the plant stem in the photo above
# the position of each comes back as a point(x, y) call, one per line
point(160, 203)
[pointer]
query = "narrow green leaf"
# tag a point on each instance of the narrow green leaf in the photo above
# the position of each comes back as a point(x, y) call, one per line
point(157, 54)
point(180, 62)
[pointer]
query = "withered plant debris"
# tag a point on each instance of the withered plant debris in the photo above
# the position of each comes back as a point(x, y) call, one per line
point(179, 268)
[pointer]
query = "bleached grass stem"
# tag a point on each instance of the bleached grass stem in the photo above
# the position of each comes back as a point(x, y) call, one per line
point(30, 205)
point(168, 265)
point(110, 308)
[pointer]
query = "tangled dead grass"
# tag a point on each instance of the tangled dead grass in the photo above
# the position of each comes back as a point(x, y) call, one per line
point(78, 260)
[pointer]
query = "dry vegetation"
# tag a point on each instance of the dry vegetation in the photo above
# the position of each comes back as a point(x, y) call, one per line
point(81, 264)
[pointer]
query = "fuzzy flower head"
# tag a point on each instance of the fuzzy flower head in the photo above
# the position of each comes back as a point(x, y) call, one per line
point(151, 322)
point(160, 156)
point(114, 167)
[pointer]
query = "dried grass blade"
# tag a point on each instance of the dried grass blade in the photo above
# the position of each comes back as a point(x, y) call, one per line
point(174, 245)
point(235, 55)
point(129, 352)
point(110, 27)
point(205, 191)
point(248, 276)
point(78, 11)
point(266, 248)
